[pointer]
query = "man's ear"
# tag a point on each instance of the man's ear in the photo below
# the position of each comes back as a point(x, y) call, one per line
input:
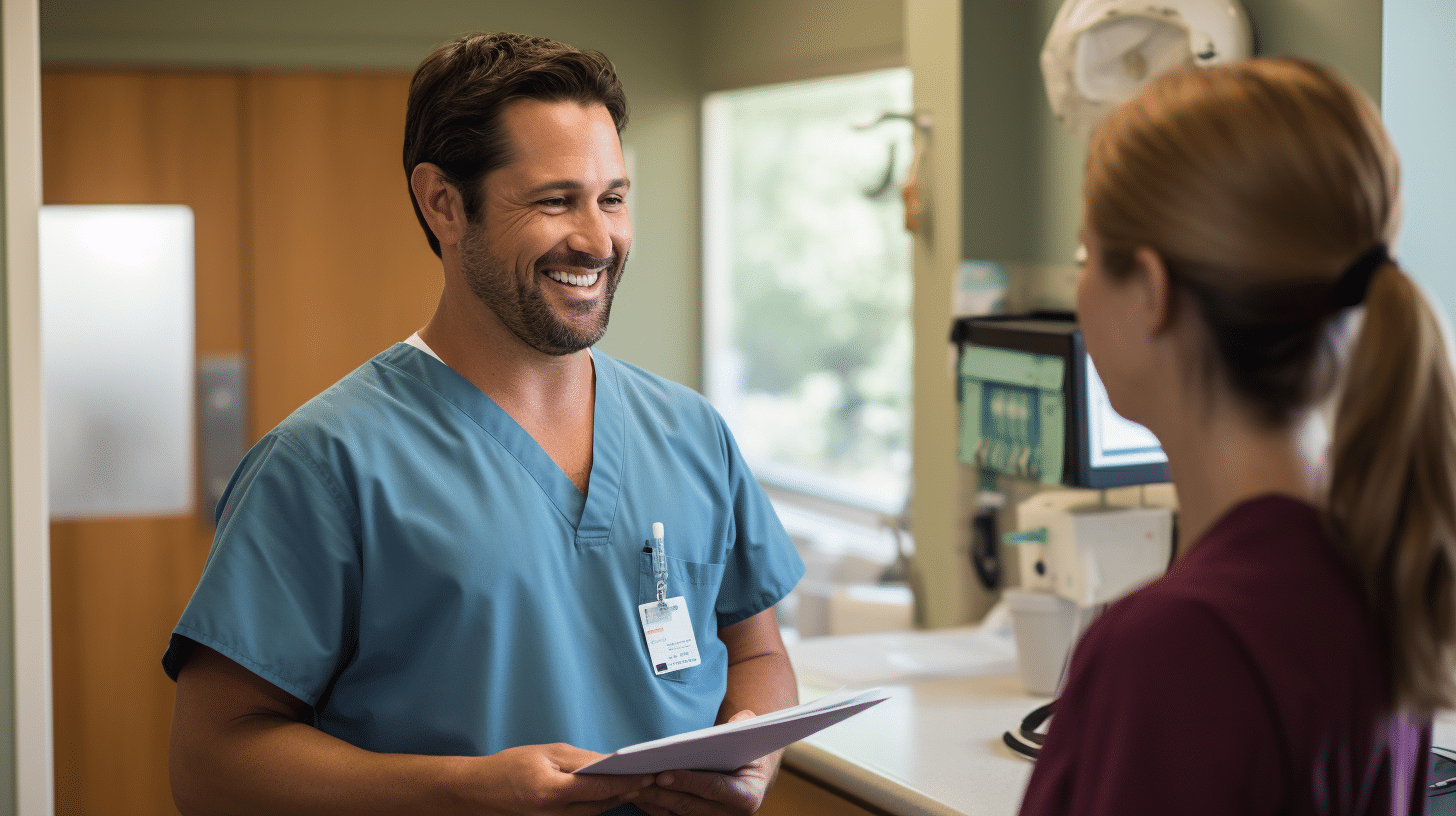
point(1155, 287)
point(440, 203)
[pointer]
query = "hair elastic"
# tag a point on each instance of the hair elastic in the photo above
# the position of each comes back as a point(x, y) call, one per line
point(1350, 289)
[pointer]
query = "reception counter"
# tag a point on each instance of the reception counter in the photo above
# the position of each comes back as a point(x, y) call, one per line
point(933, 748)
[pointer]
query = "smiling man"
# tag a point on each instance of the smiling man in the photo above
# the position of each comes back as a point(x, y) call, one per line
point(438, 587)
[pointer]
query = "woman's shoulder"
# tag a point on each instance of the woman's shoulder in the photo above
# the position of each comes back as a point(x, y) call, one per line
point(1160, 621)
point(1270, 549)
point(1265, 515)
point(1265, 584)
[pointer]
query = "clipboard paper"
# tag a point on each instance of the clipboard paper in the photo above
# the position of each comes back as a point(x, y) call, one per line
point(729, 746)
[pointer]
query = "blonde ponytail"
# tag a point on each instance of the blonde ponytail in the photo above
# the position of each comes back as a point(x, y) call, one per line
point(1270, 188)
point(1392, 499)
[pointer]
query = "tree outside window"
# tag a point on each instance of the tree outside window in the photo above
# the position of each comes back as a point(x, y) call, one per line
point(808, 283)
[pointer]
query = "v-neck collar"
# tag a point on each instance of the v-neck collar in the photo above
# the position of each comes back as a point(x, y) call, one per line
point(591, 514)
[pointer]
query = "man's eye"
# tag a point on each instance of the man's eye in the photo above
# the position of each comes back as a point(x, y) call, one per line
point(613, 201)
point(553, 202)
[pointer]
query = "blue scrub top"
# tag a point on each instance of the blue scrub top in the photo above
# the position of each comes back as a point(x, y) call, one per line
point(402, 556)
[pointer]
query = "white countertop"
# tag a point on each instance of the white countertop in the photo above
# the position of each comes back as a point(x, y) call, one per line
point(1443, 730)
point(933, 748)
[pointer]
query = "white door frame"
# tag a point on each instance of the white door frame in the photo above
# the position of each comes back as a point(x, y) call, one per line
point(34, 774)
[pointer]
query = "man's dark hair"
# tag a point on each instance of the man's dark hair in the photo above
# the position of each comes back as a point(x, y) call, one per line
point(457, 94)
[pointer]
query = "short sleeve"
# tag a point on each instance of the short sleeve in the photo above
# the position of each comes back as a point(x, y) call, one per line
point(1162, 713)
point(763, 565)
point(280, 590)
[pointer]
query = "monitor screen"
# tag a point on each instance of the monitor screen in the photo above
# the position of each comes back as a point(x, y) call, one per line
point(1069, 432)
point(1112, 440)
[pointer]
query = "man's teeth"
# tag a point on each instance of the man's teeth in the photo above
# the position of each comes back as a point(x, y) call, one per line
point(574, 280)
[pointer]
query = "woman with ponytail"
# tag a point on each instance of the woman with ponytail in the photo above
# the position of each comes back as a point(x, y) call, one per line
point(1238, 282)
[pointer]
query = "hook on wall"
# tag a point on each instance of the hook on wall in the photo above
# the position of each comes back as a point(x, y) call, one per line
point(922, 122)
point(916, 221)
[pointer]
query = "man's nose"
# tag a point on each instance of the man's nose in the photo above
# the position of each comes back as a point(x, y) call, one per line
point(593, 234)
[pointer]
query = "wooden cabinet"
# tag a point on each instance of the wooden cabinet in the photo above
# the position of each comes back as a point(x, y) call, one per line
point(794, 794)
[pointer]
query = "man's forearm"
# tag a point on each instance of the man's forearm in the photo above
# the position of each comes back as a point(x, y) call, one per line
point(292, 768)
point(759, 684)
point(760, 678)
point(242, 746)
point(287, 768)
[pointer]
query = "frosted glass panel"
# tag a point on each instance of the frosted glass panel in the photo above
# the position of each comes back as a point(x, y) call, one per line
point(117, 326)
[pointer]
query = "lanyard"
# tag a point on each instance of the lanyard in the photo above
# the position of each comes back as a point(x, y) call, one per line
point(667, 627)
point(659, 564)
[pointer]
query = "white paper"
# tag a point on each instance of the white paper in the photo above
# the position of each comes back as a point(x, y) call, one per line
point(730, 746)
point(893, 657)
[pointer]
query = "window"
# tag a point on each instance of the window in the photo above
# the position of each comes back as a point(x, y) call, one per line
point(116, 295)
point(807, 285)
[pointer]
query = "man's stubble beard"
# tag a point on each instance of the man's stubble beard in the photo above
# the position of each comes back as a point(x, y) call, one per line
point(522, 307)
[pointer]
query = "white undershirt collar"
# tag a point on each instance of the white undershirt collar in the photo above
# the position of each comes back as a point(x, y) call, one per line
point(419, 342)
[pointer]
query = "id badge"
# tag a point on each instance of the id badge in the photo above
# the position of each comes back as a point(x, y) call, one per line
point(671, 644)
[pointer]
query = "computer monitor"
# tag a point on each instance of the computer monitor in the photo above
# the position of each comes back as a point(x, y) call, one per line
point(1033, 406)
point(1118, 451)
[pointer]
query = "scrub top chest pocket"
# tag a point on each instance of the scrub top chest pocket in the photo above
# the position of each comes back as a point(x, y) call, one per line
point(698, 585)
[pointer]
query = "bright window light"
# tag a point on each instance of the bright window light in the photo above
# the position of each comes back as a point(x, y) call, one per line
point(807, 288)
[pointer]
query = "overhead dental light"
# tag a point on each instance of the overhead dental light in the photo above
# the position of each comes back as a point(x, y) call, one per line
point(1100, 52)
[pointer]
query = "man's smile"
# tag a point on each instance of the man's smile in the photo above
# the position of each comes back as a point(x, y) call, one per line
point(585, 280)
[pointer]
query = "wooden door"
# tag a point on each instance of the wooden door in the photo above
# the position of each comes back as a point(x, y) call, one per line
point(309, 261)
point(340, 267)
point(118, 586)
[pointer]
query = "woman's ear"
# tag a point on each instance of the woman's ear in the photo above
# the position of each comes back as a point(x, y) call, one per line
point(1155, 289)
point(439, 203)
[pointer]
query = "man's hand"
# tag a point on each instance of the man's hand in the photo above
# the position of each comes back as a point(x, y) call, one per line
point(537, 780)
point(759, 679)
point(704, 793)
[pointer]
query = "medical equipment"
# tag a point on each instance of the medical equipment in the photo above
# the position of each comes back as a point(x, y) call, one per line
point(1090, 553)
point(1100, 52)
point(1075, 557)
point(1033, 410)
point(1033, 407)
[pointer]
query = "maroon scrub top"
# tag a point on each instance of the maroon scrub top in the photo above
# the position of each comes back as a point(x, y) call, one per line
point(1248, 680)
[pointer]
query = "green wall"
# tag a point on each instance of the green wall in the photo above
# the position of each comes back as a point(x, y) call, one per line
point(1022, 172)
point(760, 42)
point(1345, 34)
point(1000, 122)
